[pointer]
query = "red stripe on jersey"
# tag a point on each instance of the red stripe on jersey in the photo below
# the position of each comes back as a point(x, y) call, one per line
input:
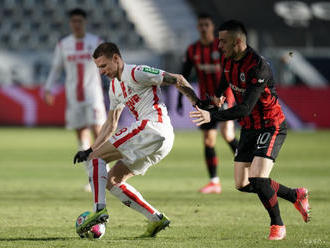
point(80, 75)
point(131, 134)
point(113, 86)
point(156, 99)
point(217, 62)
point(123, 88)
point(207, 61)
point(80, 84)
point(135, 198)
point(132, 74)
point(96, 180)
point(79, 45)
point(197, 55)
point(271, 144)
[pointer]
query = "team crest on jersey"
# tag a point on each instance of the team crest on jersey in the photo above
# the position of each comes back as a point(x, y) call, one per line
point(242, 77)
point(215, 55)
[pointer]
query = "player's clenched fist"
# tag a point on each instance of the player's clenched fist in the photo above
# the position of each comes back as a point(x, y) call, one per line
point(82, 156)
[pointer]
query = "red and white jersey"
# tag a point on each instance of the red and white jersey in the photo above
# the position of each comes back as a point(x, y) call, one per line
point(140, 91)
point(83, 81)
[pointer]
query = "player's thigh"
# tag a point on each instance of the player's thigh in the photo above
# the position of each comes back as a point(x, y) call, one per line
point(241, 174)
point(210, 137)
point(119, 173)
point(96, 130)
point(261, 167)
point(83, 134)
point(75, 117)
point(95, 114)
point(227, 129)
point(107, 152)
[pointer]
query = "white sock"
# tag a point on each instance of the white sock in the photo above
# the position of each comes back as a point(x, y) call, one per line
point(84, 145)
point(133, 199)
point(98, 177)
point(215, 180)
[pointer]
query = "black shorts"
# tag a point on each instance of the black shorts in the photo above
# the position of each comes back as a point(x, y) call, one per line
point(265, 142)
point(213, 124)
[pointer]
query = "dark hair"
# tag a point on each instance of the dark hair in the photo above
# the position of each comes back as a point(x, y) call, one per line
point(233, 25)
point(204, 16)
point(77, 11)
point(107, 49)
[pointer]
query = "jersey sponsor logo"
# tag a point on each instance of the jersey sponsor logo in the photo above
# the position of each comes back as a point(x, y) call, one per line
point(78, 57)
point(131, 103)
point(242, 76)
point(209, 68)
point(237, 89)
point(151, 70)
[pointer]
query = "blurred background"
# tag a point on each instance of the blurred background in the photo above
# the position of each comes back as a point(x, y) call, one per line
point(292, 35)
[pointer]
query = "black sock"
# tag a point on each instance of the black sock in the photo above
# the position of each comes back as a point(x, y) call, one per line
point(284, 192)
point(233, 145)
point(211, 161)
point(248, 188)
point(268, 197)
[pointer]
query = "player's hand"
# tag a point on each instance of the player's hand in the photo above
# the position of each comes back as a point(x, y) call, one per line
point(49, 98)
point(82, 156)
point(179, 107)
point(201, 116)
point(218, 101)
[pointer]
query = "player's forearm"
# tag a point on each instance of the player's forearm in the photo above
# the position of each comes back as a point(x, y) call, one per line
point(182, 85)
point(233, 113)
point(186, 89)
point(106, 132)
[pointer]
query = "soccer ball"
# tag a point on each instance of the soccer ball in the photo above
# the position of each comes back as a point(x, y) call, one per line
point(96, 232)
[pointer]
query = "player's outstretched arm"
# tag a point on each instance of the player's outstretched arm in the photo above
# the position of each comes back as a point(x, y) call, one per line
point(108, 128)
point(182, 85)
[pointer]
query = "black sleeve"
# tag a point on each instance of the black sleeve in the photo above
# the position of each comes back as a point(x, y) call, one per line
point(250, 98)
point(223, 85)
point(186, 70)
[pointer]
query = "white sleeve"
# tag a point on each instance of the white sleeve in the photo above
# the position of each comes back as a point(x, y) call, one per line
point(114, 102)
point(146, 75)
point(56, 68)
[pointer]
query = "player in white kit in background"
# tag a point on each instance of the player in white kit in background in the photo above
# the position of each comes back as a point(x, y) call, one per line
point(136, 148)
point(85, 110)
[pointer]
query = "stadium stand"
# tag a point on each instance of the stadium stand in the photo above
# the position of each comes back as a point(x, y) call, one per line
point(37, 25)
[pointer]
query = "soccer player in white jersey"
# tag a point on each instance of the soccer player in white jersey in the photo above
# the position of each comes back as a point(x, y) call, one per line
point(136, 148)
point(85, 108)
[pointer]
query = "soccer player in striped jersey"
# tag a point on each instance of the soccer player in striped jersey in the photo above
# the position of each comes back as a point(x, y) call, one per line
point(85, 110)
point(263, 124)
point(204, 57)
point(137, 147)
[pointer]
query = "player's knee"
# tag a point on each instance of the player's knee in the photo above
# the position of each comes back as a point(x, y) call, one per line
point(113, 180)
point(209, 142)
point(258, 183)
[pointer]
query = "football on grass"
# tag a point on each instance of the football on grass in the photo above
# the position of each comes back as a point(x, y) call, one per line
point(96, 232)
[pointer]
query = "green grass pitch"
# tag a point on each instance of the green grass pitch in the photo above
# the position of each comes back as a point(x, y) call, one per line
point(41, 195)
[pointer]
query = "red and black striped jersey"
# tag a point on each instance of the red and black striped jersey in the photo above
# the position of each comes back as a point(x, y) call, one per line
point(252, 83)
point(206, 61)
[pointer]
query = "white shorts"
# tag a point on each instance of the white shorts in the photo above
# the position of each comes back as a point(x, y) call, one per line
point(144, 144)
point(84, 115)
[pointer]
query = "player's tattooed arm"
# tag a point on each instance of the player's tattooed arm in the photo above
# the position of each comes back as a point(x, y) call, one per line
point(182, 85)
